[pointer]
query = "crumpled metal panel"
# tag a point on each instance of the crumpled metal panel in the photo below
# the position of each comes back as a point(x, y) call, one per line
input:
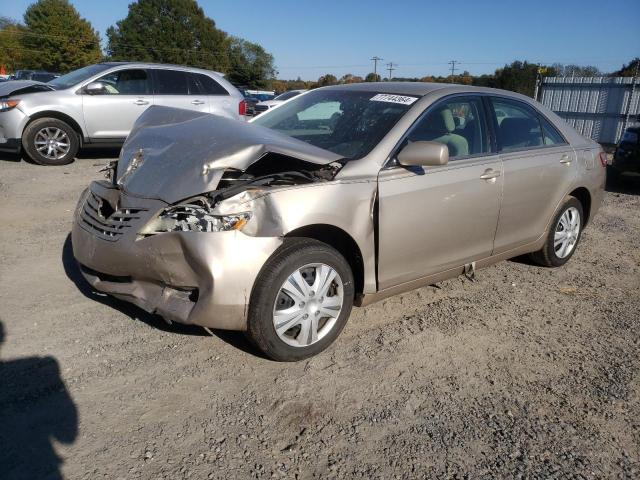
point(182, 153)
point(13, 86)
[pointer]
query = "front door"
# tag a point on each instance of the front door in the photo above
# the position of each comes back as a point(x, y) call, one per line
point(539, 168)
point(433, 219)
point(110, 113)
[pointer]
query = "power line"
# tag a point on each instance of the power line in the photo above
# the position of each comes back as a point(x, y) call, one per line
point(391, 67)
point(375, 60)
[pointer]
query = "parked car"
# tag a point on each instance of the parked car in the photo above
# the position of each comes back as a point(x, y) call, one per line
point(344, 195)
point(265, 105)
point(627, 155)
point(98, 105)
point(37, 75)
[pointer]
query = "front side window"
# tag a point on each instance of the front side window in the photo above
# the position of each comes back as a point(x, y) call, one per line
point(349, 123)
point(518, 125)
point(458, 123)
point(125, 82)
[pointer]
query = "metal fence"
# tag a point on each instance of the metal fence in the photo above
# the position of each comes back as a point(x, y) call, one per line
point(598, 107)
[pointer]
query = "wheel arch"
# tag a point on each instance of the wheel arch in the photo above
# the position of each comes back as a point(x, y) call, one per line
point(584, 197)
point(58, 116)
point(342, 242)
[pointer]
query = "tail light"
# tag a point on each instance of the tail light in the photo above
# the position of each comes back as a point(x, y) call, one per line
point(603, 159)
point(242, 107)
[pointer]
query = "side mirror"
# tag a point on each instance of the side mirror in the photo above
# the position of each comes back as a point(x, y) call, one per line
point(94, 88)
point(424, 154)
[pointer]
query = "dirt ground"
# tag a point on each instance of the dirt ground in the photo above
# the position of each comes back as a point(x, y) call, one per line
point(526, 373)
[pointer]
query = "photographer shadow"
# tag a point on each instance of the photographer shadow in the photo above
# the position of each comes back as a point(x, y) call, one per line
point(35, 409)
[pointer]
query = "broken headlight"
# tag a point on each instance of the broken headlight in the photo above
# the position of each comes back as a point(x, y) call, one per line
point(194, 217)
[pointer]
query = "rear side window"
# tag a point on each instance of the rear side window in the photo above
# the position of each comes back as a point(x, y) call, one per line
point(518, 125)
point(171, 82)
point(550, 133)
point(209, 86)
point(458, 123)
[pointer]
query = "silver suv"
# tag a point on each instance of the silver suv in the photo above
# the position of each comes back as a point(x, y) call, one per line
point(99, 104)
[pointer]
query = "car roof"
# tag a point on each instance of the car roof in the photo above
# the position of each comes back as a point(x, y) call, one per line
point(420, 89)
point(160, 65)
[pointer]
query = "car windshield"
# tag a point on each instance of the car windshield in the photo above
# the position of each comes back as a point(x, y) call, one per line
point(349, 123)
point(77, 76)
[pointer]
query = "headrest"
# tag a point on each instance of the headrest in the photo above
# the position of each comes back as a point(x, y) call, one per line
point(443, 121)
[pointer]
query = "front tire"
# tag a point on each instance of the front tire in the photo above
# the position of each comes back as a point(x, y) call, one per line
point(301, 301)
point(49, 141)
point(563, 236)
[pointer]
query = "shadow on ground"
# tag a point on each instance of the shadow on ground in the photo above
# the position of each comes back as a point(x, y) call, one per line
point(71, 269)
point(87, 153)
point(35, 408)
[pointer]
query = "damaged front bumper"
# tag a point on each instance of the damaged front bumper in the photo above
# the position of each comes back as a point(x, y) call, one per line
point(188, 277)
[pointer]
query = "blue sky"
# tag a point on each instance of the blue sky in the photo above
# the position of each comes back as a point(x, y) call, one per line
point(309, 39)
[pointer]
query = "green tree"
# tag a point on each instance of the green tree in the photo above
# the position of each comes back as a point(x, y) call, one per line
point(372, 77)
point(57, 38)
point(11, 51)
point(169, 31)
point(518, 77)
point(630, 69)
point(328, 79)
point(249, 64)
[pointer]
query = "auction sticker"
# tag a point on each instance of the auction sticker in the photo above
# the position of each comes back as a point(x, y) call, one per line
point(387, 97)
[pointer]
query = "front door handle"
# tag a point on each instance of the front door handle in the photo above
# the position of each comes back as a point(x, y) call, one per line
point(141, 101)
point(490, 174)
point(197, 102)
point(565, 159)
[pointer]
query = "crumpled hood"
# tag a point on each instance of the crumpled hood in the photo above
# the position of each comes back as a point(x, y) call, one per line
point(15, 87)
point(172, 154)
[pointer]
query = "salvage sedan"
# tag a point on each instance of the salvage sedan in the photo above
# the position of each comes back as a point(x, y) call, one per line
point(342, 196)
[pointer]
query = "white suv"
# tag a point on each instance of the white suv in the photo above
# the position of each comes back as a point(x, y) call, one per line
point(99, 104)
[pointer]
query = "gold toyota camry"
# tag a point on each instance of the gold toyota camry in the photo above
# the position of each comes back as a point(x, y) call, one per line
point(340, 196)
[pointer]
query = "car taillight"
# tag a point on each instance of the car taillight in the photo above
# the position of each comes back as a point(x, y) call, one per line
point(603, 159)
point(242, 107)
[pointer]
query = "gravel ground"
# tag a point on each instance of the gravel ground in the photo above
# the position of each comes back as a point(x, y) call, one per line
point(526, 373)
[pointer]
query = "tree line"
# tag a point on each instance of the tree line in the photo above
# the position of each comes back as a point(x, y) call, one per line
point(54, 37)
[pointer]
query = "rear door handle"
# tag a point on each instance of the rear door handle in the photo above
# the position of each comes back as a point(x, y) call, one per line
point(141, 101)
point(197, 102)
point(490, 174)
point(565, 159)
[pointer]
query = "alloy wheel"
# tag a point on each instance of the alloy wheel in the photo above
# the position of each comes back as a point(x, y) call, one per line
point(52, 143)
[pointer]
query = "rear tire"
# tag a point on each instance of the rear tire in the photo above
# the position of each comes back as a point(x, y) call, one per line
point(563, 237)
point(49, 141)
point(309, 320)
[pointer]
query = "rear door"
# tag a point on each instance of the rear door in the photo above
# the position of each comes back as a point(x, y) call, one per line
point(110, 113)
point(432, 219)
point(221, 102)
point(539, 168)
point(178, 89)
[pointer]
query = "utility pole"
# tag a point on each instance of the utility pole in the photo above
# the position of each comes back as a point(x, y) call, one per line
point(453, 68)
point(375, 65)
point(391, 67)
